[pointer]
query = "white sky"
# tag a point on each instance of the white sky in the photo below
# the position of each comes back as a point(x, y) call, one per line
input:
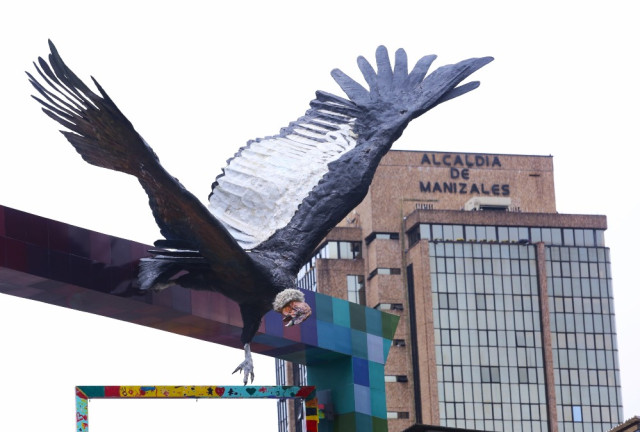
point(198, 80)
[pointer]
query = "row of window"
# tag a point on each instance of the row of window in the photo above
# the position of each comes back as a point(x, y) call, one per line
point(495, 411)
point(484, 266)
point(577, 254)
point(575, 269)
point(483, 356)
point(586, 395)
point(582, 287)
point(505, 234)
point(596, 414)
point(506, 394)
point(488, 338)
point(577, 377)
point(583, 341)
point(330, 250)
point(582, 323)
point(490, 302)
point(580, 305)
point(585, 359)
point(489, 374)
point(484, 250)
point(496, 285)
point(486, 320)
point(340, 250)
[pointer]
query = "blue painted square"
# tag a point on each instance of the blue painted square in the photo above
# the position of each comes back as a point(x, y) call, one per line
point(362, 399)
point(374, 321)
point(359, 344)
point(341, 312)
point(386, 345)
point(342, 339)
point(375, 348)
point(309, 332)
point(360, 371)
point(273, 324)
point(326, 338)
point(310, 298)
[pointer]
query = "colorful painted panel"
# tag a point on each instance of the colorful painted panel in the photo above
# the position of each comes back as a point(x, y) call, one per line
point(84, 393)
point(56, 263)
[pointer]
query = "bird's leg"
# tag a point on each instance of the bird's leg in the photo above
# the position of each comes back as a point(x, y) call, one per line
point(247, 365)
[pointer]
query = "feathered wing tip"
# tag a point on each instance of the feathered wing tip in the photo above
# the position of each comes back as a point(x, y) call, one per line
point(391, 84)
point(96, 128)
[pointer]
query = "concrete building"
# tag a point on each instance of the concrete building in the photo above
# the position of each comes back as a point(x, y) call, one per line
point(506, 308)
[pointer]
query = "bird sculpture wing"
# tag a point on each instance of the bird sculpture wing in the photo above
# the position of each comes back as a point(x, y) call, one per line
point(106, 138)
point(284, 193)
point(278, 195)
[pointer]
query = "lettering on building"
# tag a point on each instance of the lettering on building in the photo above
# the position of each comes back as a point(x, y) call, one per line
point(460, 174)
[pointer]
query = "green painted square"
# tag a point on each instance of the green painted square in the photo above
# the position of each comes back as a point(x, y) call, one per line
point(336, 375)
point(389, 324)
point(357, 314)
point(378, 402)
point(344, 422)
point(359, 344)
point(341, 312)
point(374, 321)
point(331, 373)
point(379, 424)
point(376, 376)
point(364, 423)
point(343, 398)
point(324, 308)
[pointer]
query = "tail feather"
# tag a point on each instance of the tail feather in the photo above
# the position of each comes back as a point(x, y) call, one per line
point(170, 267)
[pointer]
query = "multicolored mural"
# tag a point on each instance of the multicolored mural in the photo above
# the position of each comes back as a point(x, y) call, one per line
point(84, 393)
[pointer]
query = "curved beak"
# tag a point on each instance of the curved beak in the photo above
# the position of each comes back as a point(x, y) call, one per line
point(295, 312)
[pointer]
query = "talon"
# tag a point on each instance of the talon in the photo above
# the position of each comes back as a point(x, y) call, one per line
point(246, 366)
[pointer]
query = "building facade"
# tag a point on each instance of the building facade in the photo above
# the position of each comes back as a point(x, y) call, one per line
point(506, 307)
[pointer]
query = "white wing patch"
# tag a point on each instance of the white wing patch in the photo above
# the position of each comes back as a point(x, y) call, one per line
point(265, 183)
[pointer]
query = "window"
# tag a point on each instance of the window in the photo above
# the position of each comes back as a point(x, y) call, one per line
point(382, 236)
point(355, 289)
point(396, 378)
point(340, 250)
point(527, 375)
point(577, 413)
point(397, 415)
point(389, 306)
point(490, 374)
point(384, 271)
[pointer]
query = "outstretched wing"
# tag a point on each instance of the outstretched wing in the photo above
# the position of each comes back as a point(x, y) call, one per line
point(265, 182)
point(104, 137)
point(284, 193)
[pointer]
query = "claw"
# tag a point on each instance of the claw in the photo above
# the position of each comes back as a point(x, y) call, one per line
point(246, 366)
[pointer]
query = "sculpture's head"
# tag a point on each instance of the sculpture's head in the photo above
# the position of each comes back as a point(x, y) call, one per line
point(290, 303)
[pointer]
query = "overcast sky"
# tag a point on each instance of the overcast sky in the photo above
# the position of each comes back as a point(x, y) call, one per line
point(198, 80)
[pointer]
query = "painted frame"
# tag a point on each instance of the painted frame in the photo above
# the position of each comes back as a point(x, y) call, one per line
point(307, 393)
